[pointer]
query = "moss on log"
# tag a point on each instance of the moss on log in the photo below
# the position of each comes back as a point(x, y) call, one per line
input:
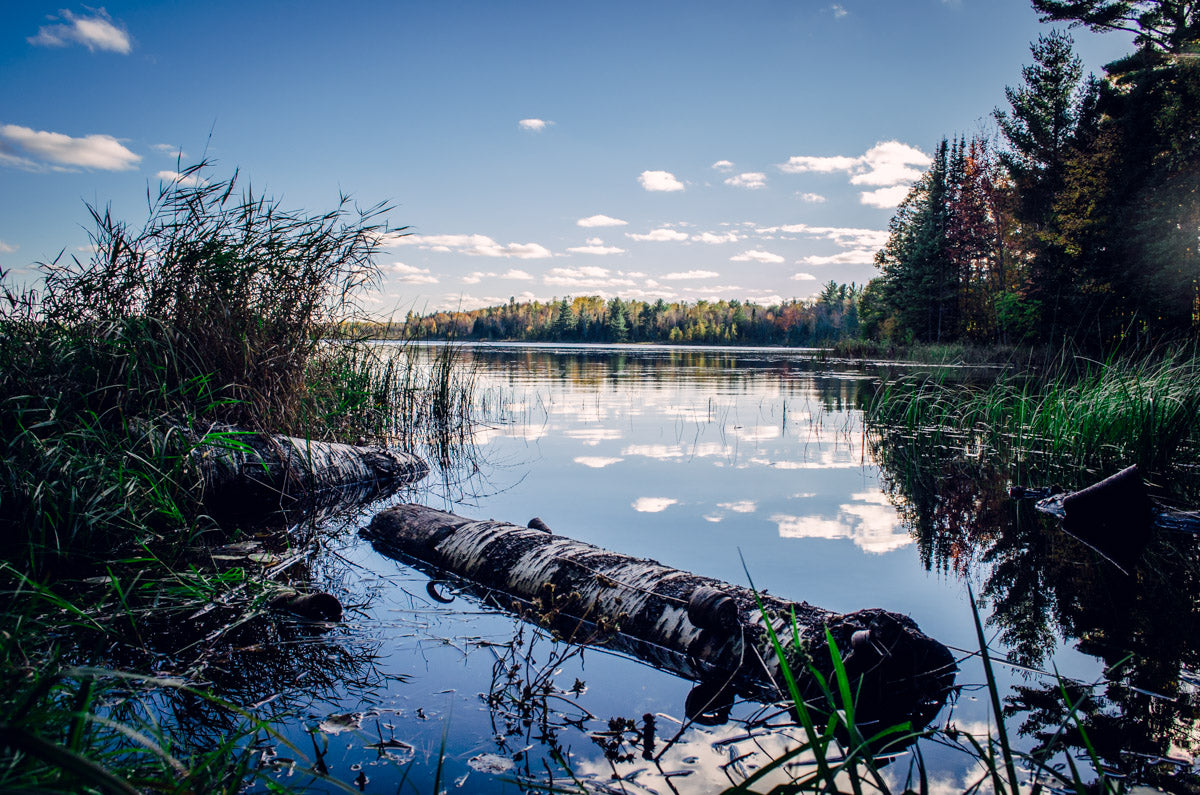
point(696, 626)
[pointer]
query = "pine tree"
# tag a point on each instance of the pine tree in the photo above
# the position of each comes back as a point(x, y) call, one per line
point(920, 285)
point(618, 324)
point(564, 322)
point(1042, 128)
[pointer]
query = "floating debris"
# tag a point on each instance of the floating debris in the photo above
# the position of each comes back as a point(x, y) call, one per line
point(344, 722)
point(490, 763)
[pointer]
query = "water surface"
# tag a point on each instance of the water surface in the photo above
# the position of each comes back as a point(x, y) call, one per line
point(737, 464)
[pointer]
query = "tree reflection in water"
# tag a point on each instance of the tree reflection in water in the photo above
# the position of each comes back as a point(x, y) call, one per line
point(1043, 587)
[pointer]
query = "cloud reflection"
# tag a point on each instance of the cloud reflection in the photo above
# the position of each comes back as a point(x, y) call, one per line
point(699, 761)
point(597, 462)
point(657, 451)
point(870, 521)
point(653, 504)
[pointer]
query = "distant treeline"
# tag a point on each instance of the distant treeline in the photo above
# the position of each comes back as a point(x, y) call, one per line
point(830, 317)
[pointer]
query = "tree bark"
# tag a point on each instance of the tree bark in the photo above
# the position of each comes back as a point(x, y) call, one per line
point(695, 626)
point(251, 474)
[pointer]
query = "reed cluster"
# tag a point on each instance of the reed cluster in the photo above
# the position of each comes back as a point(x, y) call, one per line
point(223, 309)
point(1068, 421)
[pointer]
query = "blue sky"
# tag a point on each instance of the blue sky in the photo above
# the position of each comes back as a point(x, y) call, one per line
point(681, 150)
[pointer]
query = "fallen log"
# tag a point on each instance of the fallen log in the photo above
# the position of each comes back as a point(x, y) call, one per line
point(252, 474)
point(696, 626)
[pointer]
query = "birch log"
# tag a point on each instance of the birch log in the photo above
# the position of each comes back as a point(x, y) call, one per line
point(696, 626)
point(251, 473)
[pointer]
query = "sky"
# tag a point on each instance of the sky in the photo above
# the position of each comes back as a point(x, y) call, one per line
point(534, 150)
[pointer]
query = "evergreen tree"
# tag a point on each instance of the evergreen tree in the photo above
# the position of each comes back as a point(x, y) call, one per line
point(1164, 26)
point(618, 324)
point(1042, 128)
point(564, 322)
point(920, 286)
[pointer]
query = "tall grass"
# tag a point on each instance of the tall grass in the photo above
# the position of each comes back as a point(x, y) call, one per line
point(223, 308)
point(1076, 418)
point(224, 288)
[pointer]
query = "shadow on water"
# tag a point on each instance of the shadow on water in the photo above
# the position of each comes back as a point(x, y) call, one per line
point(1043, 587)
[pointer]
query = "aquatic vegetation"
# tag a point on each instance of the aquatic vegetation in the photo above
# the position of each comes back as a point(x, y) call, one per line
point(1075, 419)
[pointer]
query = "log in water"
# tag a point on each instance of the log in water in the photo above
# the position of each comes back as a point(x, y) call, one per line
point(251, 473)
point(692, 625)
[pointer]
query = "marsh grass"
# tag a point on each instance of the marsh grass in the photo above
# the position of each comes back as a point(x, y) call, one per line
point(1075, 419)
point(222, 309)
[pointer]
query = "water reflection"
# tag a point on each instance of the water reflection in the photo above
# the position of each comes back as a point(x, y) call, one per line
point(1043, 587)
point(535, 719)
point(722, 463)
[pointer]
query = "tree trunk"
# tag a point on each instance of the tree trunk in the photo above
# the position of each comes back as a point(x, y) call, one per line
point(695, 626)
point(250, 475)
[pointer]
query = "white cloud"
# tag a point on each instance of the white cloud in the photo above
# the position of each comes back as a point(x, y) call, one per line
point(741, 506)
point(812, 198)
point(723, 165)
point(472, 245)
point(534, 125)
point(187, 181)
point(804, 277)
point(885, 197)
point(653, 504)
point(169, 149)
point(596, 248)
point(586, 277)
point(478, 276)
point(891, 163)
point(750, 179)
point(410, 274)
point(843, 236)
point(857, 256)
point(659, 181)
point(714, 238)
point(523, 251)
point(96, 32)
point(661, 235)
point(600, 220)
point(682, 275)
point(800, 164)
point(756, 255)
point(597, 462)
point(838, 11)
point(6, 248)
point(22, 147)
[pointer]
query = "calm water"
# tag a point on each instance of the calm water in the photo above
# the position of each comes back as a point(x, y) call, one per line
point(728, 463)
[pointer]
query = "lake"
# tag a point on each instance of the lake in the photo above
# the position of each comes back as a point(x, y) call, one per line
point(739, 464)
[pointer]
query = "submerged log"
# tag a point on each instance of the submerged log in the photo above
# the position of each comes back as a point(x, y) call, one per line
point(1115, 516)
point(696, 626)
point(254, 474)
